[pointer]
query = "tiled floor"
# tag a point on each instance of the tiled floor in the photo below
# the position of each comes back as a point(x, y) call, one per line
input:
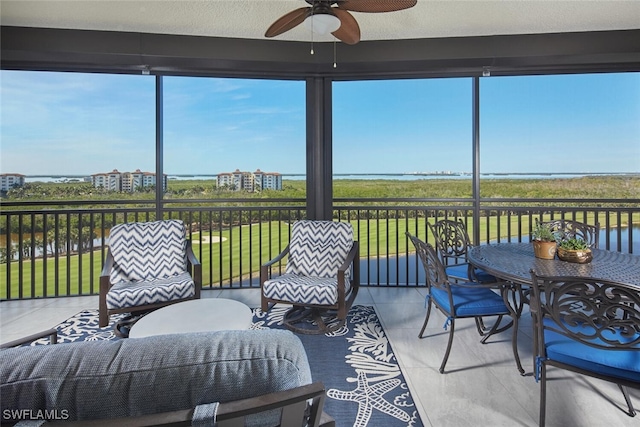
point(480, 388)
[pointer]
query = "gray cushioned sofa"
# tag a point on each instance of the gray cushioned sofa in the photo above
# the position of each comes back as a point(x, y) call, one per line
point(133, 377)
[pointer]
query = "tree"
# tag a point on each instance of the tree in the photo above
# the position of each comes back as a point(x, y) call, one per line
point(5, 255)
point(30, 248)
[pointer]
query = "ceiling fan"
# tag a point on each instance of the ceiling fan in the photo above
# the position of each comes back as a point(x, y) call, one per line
point(323, 18)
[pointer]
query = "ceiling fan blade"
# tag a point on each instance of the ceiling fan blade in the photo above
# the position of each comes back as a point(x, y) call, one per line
point(349, 31)
point(287, 22)
point(376, 6)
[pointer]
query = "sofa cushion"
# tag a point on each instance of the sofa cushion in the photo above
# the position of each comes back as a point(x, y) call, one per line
point(112, 379)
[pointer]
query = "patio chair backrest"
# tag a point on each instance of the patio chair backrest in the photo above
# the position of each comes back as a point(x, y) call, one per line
point(452, 240)
point(598, 313)
point(568, 229)
point(144, 250)
point(433, 267)
point(319, 248)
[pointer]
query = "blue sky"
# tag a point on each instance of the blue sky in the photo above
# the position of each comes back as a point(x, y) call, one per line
point(72, 123)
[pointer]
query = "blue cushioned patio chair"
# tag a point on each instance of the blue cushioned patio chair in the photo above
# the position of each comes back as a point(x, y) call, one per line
point(588, 326)
point(321, 278)
point(452, 242)
point(149, 265)
point(458, 300)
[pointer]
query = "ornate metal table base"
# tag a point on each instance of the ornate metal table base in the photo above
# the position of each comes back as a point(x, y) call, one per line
point(486, 332)
point(311, 320)
point(514, 300)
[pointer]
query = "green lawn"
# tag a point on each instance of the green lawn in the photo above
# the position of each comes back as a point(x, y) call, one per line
point(239, 252)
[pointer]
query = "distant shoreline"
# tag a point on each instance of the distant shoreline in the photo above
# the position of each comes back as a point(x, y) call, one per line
point(383, 175)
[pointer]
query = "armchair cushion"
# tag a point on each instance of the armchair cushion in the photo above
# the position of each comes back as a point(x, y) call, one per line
point(319, 248)
point(131, 293)
point(143, 250)
point(304, 290)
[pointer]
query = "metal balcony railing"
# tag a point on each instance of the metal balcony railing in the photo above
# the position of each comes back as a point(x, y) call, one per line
point(49, 249)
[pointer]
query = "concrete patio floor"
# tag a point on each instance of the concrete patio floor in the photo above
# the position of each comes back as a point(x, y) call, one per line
point(481, 386)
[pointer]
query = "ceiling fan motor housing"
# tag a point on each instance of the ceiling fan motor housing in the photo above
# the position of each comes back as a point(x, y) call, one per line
point(336, 20)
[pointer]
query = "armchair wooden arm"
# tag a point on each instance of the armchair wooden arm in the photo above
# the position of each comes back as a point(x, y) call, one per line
point(51, 333)
point(108, 265)
point(195, 269)
point(105, 285)
point(353, 258)
point(292, 402)
point(278, 257)
point(265, 273)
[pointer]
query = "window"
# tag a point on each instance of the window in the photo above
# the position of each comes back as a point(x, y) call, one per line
point(235, 135)
point(415, 131)
point(90, 130)
point(585, 124)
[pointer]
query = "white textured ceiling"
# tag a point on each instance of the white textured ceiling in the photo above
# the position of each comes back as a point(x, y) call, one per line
point(250, 18)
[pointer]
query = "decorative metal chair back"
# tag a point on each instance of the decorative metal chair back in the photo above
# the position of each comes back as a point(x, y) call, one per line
point(453, 243)
point(568, 229)
point(589, 326)
point(433, 267)
point(452, 240)
point(610, 309)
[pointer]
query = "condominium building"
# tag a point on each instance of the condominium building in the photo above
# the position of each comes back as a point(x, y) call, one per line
point(267, 181)
point(250, 181)
point(126, 181)
point(11, 180)
point(130, 181)
point(224, 179)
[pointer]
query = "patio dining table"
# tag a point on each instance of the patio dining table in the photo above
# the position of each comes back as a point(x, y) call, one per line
point(513, 262)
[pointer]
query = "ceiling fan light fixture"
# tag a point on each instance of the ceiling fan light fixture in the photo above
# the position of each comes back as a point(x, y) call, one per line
point(322, 23)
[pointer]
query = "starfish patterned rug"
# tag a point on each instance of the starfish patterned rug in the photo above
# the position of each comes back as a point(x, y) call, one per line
point(364, 384)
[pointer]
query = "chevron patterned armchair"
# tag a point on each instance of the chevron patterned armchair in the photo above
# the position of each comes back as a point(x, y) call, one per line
point(321, 278)
point(148, 265)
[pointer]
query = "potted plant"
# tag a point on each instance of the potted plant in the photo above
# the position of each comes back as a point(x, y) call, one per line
point(574, 249)
point(544, 240)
